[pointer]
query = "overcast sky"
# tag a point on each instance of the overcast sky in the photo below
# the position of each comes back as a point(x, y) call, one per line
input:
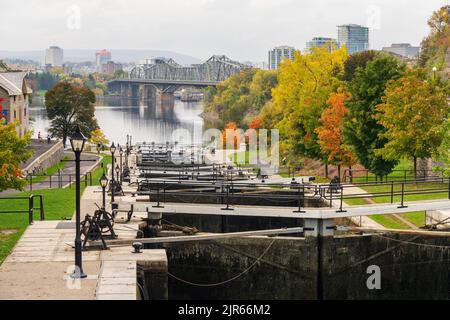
point(241, 29)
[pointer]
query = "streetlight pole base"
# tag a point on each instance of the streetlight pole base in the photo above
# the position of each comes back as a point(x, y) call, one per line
point(78, 275)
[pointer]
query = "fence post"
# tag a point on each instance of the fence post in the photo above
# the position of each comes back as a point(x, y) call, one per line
point(41, 205)
point(331, 196)
point(392, 192)
point(30, 209)
point(342, 200)
point(59, 179)
point(403, 196)
point(31, 182)
point(70, 181)
point(299, 200)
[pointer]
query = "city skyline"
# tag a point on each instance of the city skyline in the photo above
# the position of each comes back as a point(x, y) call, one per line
point(162, 26)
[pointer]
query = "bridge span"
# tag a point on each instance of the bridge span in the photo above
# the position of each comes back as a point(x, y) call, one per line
point(162, 77)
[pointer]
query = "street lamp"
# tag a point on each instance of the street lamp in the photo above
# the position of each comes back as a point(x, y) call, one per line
point(434, 72)
point(117, 172)
point(77, 141)
point(112, 149)
point(121, 154)
point(103, 183)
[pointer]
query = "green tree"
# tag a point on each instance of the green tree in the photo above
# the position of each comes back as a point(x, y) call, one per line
point(436, 45)
point(68, 105)
point(414, 112)
point(355, 61)
point(443, 153)
point(13, 151)
point(241, 97)
point(361, 129)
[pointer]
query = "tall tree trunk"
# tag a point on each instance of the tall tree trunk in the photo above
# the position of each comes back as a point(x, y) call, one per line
point(326, 170)
point(339, 172)
point(415, 168)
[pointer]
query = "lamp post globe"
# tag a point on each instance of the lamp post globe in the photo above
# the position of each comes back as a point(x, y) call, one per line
point(77, 141)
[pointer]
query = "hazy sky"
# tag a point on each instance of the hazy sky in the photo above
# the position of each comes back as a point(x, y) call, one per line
point(241, 29)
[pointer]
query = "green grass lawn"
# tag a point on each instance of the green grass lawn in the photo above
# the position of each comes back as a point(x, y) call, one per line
point(389, 221)
point(51, 170)
point(418, 218)
point(58, 204)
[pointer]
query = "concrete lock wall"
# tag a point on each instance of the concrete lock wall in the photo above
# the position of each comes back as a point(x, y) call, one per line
point(289, 269)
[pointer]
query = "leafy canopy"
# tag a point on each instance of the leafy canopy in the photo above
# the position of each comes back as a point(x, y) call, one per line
point(13, 151)
point(68, 105)
point(361, 129)
point(414, 113)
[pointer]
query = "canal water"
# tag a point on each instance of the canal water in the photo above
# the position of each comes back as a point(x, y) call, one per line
point(145, 122)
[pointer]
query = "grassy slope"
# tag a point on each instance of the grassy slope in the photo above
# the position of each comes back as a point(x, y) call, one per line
point(58, 204)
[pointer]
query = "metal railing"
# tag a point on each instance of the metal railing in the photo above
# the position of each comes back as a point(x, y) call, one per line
point(231, 193)
point(31, 208)
point(58, 180)
point(364, 175)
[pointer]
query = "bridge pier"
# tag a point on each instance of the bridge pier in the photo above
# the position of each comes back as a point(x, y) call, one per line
point(165, 99)
point(146, 92)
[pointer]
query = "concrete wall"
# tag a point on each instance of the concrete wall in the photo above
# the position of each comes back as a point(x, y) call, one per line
point(289, 269)
point(51, 157)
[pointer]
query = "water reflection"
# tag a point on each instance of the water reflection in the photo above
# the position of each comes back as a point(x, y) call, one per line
point(145, 121)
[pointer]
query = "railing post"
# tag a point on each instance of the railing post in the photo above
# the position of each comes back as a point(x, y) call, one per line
point(41, 205)
point(403, 196)
point(342, 200)
point(299, 200)
point(331, 197)
point(30, 209)
point(31, 182)
point(50, 181)
point(228, 200)
point(392, 192)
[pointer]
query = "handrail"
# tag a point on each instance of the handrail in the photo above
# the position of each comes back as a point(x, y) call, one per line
point(30, 209)
point(230, 191)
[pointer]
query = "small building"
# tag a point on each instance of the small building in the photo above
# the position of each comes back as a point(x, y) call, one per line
point(403, 49)
point(14, 100)
point(111, 67)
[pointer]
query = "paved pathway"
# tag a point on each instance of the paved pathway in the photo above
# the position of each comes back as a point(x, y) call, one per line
point(40, 265)
point(69, 169)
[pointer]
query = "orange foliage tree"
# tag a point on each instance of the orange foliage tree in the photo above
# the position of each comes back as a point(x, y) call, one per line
point(232, 129)
point(330, 137)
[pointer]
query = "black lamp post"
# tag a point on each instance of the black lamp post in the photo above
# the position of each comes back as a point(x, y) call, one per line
point(434, 73)
point(77, 141)
point(117, 172)
point(121, 172)
point(113, 185)
point(103, 183)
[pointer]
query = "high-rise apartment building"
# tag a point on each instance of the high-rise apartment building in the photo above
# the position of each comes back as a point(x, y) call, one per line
point(102, 57)
point(403, 49)
point(320, 42)
point(354, 37)
point(54, 56)
point(278, 54)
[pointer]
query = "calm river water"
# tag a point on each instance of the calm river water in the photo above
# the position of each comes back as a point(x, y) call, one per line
point(118, 117)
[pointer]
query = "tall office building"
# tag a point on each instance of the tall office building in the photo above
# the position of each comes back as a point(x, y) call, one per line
point(102, 57)
point(354, 37)
point(278, 54)
point(320, 42)
point(54, 56)
point(403, 49)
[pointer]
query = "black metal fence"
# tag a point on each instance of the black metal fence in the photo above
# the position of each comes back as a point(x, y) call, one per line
point(364, 175)
point(58, 180)
point(29, 204)
point(333, 195)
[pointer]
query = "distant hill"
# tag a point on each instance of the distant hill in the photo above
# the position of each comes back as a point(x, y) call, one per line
point(118, 55)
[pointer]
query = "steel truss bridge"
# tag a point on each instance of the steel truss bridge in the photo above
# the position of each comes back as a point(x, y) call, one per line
point(166, 76)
